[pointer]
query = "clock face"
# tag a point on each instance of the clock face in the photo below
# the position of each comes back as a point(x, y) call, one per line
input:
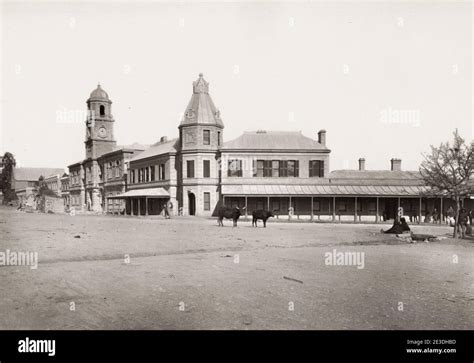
point(102, 132)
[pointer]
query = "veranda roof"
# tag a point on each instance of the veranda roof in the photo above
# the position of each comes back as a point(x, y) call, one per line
point(148, 192)
point(324, 190)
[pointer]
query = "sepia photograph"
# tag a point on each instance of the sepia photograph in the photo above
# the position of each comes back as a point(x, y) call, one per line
point(250, 166)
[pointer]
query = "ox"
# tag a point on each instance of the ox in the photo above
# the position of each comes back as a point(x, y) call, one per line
point(229, 213)
point(261, 214)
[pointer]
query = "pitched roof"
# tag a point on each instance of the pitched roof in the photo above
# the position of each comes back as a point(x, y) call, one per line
point(374, 174)
point(201, 109)
point(33, 174)
point(274, 140)
point(162, 147)
point(134, 146)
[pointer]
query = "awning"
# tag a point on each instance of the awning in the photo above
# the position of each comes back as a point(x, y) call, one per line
point(138, 193)
point(324, 190)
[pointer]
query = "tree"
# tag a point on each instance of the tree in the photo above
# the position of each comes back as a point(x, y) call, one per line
point(6, 177)
point(448, 170)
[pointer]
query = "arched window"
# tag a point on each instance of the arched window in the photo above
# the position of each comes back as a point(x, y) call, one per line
point(102, 110)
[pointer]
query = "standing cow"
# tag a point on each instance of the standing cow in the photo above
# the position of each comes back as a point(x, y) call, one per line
point(229, 213)
point(261, 214)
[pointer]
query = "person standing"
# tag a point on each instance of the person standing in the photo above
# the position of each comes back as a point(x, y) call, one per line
point(450, 216)
point(168, 208)
point(461, 223)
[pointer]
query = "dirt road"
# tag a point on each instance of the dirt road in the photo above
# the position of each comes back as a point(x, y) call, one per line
point(109, 272)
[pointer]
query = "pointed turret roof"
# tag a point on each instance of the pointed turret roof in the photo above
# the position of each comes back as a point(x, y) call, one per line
point(201, 110)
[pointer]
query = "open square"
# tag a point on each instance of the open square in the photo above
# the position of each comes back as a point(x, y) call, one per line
point(109, 272)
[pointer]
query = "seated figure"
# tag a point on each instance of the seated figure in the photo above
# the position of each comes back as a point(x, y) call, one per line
point(398, 227)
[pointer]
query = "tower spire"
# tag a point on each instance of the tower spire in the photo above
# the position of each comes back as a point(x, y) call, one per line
point(201, 86)
point(201, 110)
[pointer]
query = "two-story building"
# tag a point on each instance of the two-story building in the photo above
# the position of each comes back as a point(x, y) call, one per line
point(65, 190)
point(152, 180)
point(270, 169)
point(114, 172)
point(283, 171)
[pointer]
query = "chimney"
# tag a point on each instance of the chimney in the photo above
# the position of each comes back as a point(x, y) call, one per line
point(396, 164)
point(322, 137)
point(163, 139)
point(361, 164)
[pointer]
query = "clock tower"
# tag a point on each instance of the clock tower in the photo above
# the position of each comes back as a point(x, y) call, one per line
point(99, 124)
point(99, 141)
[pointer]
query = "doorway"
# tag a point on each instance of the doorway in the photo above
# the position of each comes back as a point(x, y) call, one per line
point(192, 204)
point(391, 206)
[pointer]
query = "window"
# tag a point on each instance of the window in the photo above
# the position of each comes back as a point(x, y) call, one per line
point(147, 175)
point(152, 173)
point(218, 138)
point(276, 204)
point(162, 171)
point(275, 168)
point(190, 168)
point(293, 168)
point(316, 168)
point(283, 168)
point(372, 206)
point(207, 168)
point(342, 207)
point(234, 168)
point(207, 137)
point(132, 176)
point(267, 168)
point(317, 206)
point(207, 201)
point(117, 169)
point(102, 110)
point(259, 171)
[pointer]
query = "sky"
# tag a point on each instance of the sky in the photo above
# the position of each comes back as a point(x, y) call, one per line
point(385, 79)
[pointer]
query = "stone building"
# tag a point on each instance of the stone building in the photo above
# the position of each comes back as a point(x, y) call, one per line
point(65, 190)
point(24, 180)
point(153, 179)
point(53, 182)
point(283, 171)
point(200, 140)
point(102, 173)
